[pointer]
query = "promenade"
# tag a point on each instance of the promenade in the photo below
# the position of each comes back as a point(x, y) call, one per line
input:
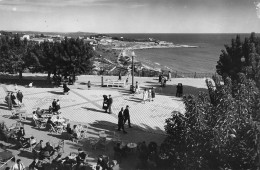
point(84, 106)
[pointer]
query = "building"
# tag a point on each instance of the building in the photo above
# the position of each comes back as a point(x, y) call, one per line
point(25, 37)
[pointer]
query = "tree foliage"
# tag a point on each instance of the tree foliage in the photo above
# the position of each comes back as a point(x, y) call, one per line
point(70, 56)
point(219, 130)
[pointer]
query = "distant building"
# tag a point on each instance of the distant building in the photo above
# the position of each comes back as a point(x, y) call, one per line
point(164, 43)
point(37, 40)
point(25, 37)
point(105, 41)
point(90, 41)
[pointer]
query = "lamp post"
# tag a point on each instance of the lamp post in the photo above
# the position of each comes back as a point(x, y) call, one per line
point(133, 55)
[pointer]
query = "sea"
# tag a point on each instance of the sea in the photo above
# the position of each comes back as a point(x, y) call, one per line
point(202, 59)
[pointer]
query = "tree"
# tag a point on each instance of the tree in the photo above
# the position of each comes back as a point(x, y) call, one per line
point(230, 63)
point(219, 130)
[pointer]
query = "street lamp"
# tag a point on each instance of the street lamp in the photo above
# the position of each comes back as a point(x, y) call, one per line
point(133, 55)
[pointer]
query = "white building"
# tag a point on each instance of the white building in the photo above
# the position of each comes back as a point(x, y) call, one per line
point(25, 37)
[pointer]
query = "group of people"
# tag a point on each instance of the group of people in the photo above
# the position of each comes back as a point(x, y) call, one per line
point(148, 94)
point(163, 79)
point(76, 132)
point(57, 79)
point(123, 117)
point(107, 103)
point(55, 106)
point(11, 99)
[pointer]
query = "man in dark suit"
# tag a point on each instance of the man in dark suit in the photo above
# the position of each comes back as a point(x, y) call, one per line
point(121, 121)
point(127, 116)
point(110, 101)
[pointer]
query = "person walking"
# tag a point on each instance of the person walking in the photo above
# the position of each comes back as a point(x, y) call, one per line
point(145, 95)
point(13, 98)
point(153, 93)
point(110, 102)
point(121, 121)
point(126, 116)
point(19, 97)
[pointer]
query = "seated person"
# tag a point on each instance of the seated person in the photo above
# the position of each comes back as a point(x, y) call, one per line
point(35, 165)
point(68, 162)
point(39, 112)
point(48, 148)
point(38, 146)
point(75, 132)
point(49, 121)
point(103, 161)
point(50, 109)
point(36, 118)
point(20, 134)
point(68, 128)
point(81, 157)
point(57, 162)
point(27, 142)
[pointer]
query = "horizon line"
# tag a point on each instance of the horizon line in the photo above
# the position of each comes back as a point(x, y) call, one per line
point(128, 32)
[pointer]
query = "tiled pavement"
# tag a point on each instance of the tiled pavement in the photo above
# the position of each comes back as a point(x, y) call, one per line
point(85, 106)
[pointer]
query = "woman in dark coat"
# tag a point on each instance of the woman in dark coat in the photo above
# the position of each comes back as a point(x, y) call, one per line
point(153, 93)
point(13, 98)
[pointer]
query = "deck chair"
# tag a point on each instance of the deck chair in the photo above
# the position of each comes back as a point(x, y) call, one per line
point(28, 147)
point(84, 133)
point(39, 124)
point(15, 114)
point(60, 146)
point(50, 128)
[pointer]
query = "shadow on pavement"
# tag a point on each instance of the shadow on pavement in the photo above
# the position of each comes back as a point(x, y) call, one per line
point(92, 109)
point(25, 82)
point(56, 92)
point(170, 90)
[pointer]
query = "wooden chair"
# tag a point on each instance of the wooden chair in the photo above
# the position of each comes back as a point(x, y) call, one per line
point(39, 124)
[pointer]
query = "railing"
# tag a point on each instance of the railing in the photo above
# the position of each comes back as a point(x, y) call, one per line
point(176, 74)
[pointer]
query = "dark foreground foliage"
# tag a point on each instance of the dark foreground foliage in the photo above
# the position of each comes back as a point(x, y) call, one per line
point(219, 130)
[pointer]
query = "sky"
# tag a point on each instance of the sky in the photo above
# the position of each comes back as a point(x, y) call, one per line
point(131, 16)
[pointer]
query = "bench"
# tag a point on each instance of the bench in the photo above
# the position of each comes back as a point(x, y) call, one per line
point(114, 83)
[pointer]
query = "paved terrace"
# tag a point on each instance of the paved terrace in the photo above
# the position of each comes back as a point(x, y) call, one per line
point(84, 106)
